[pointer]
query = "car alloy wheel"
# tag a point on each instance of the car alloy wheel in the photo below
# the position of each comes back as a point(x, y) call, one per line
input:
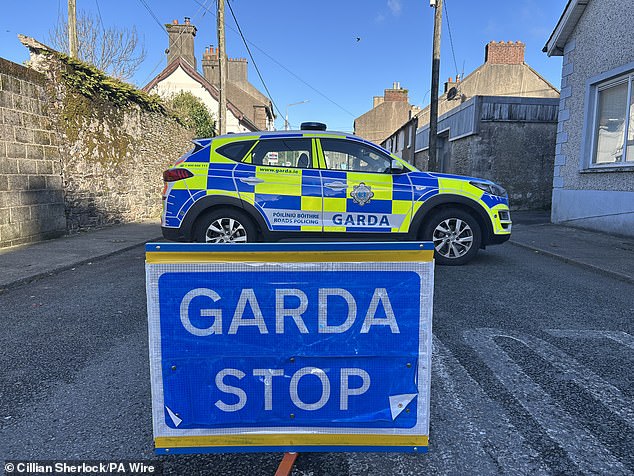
point(226, 230)
point(456, 235)
point(453, 238)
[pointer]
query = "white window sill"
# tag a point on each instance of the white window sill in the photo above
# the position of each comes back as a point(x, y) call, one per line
point(609, 168)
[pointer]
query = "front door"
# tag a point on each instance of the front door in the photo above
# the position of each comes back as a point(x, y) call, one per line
point(360, 193)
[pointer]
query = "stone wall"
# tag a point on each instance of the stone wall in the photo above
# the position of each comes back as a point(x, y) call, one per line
point(31, 194)
point(508, 140)
point(78, 149)
point(518, 156)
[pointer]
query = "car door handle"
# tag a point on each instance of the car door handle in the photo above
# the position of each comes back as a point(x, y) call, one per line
point(336, 185)
point(251, 180)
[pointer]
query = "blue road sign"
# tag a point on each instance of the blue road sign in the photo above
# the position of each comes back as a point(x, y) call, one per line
point(290, 347)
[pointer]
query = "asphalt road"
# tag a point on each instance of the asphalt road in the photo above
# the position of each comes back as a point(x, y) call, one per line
point(532, 373)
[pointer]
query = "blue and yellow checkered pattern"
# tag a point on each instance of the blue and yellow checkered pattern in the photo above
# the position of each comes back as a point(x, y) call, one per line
point(315, 199)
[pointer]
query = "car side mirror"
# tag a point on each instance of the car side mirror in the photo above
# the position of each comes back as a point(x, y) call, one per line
point(396, 167)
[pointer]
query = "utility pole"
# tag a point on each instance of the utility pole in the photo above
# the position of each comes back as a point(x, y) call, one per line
point(435, 73)
point(222, 69)
point(72, 28)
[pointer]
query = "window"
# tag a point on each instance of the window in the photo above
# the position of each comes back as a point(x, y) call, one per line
point(353, 156)
point(613, 129)
point(236, 150)
point(282, 153)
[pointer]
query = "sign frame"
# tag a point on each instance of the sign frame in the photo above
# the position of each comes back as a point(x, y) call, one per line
point(408, 256)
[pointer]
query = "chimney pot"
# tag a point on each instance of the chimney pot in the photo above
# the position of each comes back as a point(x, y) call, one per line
point(187, 20)
point(174, 22)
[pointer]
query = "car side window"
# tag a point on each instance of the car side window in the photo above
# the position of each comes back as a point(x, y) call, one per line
point(236, 150)
point(295, 153)
point(354, 157)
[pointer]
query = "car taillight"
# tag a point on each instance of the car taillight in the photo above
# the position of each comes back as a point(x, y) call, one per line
point(172, 175)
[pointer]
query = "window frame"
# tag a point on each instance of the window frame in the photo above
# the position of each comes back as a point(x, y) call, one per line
point(624, 74)
point(375, 150)
point(311, 154)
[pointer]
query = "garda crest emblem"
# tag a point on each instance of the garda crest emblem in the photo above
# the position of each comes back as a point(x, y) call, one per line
point(362, 194)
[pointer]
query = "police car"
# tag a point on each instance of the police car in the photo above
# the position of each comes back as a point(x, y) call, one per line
point(319, 185)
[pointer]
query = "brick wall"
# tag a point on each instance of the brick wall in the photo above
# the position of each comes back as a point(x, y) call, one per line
point(395, 95)
point(504, 52)
point(31, 195)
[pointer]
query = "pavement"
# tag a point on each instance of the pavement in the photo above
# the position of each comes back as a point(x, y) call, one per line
point(604, 253)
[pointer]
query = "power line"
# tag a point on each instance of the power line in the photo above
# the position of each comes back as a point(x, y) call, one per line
point(246, 45)
point(288, 70)
point(163, 28)
point(453, 53)
point(103, 28)
point(158, 22)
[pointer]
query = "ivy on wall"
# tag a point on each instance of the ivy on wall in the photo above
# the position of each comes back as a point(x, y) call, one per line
point(94, 107)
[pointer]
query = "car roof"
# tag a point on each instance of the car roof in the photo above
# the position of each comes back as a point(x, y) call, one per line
point(292, 134)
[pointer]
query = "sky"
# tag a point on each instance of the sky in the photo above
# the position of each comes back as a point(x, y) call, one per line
point(336, 55)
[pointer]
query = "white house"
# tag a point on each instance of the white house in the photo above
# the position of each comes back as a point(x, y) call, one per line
point(593, 184)
point(247, 108)
point(179, 75)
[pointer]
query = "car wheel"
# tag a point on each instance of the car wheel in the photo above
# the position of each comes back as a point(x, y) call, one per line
point(225, 226)
point(456, 236)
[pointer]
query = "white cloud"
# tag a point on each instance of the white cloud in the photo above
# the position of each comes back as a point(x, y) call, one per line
point(394, 6)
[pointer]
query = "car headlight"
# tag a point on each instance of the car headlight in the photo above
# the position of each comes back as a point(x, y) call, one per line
point(490, 188)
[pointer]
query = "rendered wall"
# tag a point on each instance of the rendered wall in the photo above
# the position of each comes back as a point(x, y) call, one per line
point(518, 156)
point(598, 46)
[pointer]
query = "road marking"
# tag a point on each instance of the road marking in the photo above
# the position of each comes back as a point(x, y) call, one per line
point(582, 448)
point(618, 336)
point(486, 428)
point(610, 396)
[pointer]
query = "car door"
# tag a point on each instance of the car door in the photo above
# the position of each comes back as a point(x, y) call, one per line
point(279, 178)
point(360, 192)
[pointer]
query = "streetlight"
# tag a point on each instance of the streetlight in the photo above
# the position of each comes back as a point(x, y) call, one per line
point(289, 105)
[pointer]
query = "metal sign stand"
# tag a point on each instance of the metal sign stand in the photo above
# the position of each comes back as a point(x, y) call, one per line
point(286, 465)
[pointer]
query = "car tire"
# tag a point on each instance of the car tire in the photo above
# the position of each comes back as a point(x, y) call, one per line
point(456, 235)
point(225, 225)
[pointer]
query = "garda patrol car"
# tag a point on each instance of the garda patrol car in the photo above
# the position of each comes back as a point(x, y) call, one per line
point(314, 185)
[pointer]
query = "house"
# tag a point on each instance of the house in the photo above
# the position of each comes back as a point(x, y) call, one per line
point(593, 184)
point(243, 94)
point(388, 112)
point(496, 121)
point(402, 142)
point(247, 108)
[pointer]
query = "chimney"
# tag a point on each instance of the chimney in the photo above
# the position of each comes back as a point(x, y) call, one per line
point(181, 41)
point(210, 64)
point(451, 83)
point(396, 94)
point(237, 70)
point(504, 53)
point(377, 100)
